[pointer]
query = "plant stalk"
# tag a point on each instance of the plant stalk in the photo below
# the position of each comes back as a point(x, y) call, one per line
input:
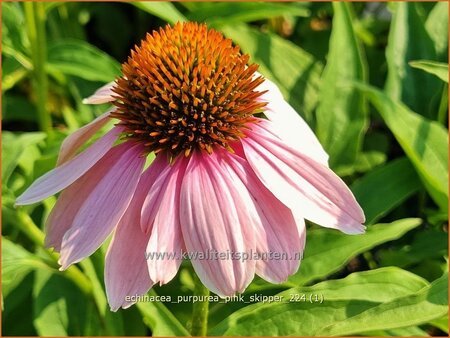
point(35, 22)
point(27, 226)
point(200, 310)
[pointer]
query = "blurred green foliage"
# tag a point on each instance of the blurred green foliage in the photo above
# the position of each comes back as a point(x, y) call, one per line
point(370, 78)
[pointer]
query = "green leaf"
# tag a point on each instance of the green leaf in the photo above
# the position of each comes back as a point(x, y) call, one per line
point(12, 73)
point(296, 72)
point(114, 321)
point(441, 323)
point(13, 20)
point(429, 244)
point(437, 27)
point(225, 12)
point(384, 188)
point(61, 309)
point(436, 68)
point(300, 314)
point(424, 142)
point(164, 10)
point(421, 307)
point(160, 320)
point(12, 148)
point(328, 251)
point(16, 264)
point(342, 111)
point(408, 40)
point(79, 58)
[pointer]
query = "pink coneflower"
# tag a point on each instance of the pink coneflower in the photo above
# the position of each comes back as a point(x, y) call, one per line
point(236, 170)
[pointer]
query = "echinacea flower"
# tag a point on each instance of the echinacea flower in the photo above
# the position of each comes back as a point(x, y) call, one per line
point(236, 170)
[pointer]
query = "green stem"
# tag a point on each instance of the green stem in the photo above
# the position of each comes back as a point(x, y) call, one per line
point(200, 310)
point(27, 226)
point(35, 22)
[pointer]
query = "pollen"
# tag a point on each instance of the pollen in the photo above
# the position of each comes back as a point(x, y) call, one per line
point(187, 88)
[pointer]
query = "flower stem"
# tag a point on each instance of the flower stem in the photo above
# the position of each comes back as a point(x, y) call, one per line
point(27, 226)
point(200, 310)
point(35, 22)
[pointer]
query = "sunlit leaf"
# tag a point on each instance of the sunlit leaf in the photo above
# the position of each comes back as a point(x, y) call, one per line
point(61, 309)
point(437, 27)
point(308, 316)
point(342, 111)
point(17, 263)
point(79, 58)
point(408, 41)
point(160, 319)
point(226, 12)
point(164, 10)
point(327, 251)
point(436, 68)
point(424, 142)
point(425, 305)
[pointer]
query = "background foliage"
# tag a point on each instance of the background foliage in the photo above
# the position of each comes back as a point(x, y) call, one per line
point(372, 81)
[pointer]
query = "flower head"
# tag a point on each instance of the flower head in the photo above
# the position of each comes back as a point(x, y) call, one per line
point(186, 88)
point(223, 180)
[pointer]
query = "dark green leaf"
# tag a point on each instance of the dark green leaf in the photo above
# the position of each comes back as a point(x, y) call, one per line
point(384, 188)
point(430, 244)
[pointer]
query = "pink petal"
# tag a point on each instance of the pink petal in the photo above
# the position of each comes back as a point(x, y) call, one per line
point(75, 140)
point(217, 214)
point(102, 95)
point(106, 204)
point(126, 272)
point(278, 232)
point(302, 184)
point(64, 175)
point(166, 234)
point(69, 203)
point(162, 172)
point(288, 125)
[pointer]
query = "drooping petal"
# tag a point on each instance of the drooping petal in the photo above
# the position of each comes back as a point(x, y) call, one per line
point(106, 204)
point(280, 238)
point(166, 234)
point(161, 174)
point(217, 215)
point(288, 125)
point(68, 204)
point(74, 141)
point(126, 272)
point(102, 95)
point(301, 183)
point(64, 175)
